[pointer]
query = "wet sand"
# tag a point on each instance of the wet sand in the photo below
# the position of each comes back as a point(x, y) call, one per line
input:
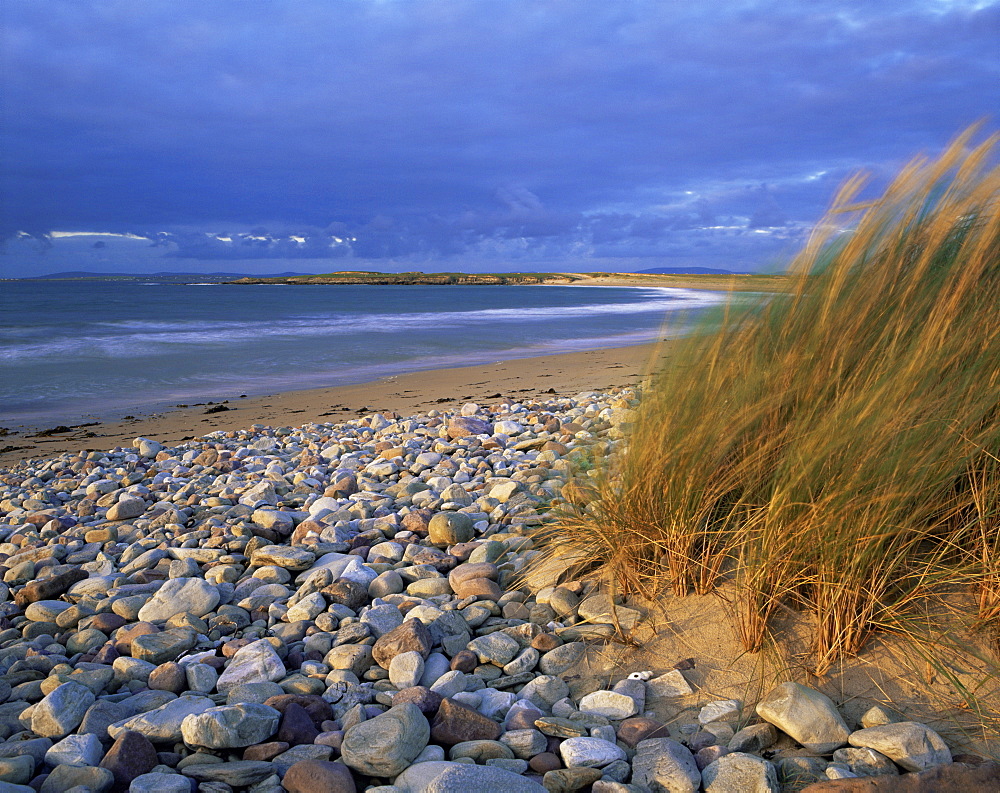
point(522, 378)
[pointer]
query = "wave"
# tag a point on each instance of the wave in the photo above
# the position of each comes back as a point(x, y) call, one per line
point(129, 338)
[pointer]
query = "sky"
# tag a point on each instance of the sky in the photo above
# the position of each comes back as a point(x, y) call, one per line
point(569, 135)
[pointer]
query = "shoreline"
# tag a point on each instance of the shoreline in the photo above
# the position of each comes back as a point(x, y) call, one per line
point(418, 391)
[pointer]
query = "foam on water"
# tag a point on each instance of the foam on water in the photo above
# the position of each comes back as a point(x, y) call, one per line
point(106, 346)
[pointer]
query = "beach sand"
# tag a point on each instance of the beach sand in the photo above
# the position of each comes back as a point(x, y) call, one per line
point(565, 373)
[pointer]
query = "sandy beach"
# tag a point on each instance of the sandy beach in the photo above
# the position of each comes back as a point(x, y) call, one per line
point(565, 373)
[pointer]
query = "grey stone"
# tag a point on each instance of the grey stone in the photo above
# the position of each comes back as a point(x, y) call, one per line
point(525, 744)
point(257, 662)
point(866, 762)
point(562, 658)
point(662, 765)
point(450, 777)
point(738, 772)
point(495, 648)
point(670, 685)
point(544, 691)
point(297, 754)
point(178, 596)
point(608, 704)
point(406, 669)
point(163, 724)
point(237, 773)
point(387, 744)
point(157, 782)
point(806, 715)
point(75, 750)
point(16, 770)
point(912, 745)
point(62, 710)
point(230, 726)
point(65, 777)
point(753, 738)
point(589, 752)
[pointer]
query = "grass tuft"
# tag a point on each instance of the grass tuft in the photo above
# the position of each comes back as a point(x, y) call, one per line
point(833, 449)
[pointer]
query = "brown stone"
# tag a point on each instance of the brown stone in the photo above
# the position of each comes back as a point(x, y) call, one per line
point(524, 719)
point(306, 530)
point(481, 588)
point(544, 762)
point(455, 723)
point(467, 571)
point(639, 728)
point(416, 520)
point(428, 701)
point(953, 778)
point(318, 776)
point(319, 709)
point(464, 661)
point(464, 426)
point(297, 726)
point(347, 593)
point(107, 622)
point(169, 676)
point(124, 637)
point(130, 756)
point(411, 635)
point(265, 751)
point(565, 780)
point(49, 588)
point(544, 642)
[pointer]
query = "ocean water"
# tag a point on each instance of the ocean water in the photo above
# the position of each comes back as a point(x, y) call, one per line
point(80, 350)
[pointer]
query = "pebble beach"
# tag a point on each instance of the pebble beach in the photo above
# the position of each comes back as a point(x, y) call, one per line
point(342, 606)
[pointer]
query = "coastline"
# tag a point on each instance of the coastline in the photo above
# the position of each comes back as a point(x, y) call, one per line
point(566, 373)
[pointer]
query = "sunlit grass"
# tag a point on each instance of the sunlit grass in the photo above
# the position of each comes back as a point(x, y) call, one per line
point(836, 448)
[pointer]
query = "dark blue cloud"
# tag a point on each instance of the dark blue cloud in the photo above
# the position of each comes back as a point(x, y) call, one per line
point(468, 133)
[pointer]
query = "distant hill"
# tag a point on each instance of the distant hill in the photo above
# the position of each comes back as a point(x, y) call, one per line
point(76, 274)
point(690, 271)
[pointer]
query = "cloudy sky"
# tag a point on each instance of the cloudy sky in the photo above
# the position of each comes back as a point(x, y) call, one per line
point(317, 135)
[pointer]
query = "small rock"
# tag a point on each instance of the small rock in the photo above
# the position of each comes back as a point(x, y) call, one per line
point(912, 745)
point(806, 715)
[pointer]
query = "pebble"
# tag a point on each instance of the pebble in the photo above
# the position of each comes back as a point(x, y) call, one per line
point(238, 611)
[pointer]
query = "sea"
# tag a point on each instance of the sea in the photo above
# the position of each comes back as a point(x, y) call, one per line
point(83, 350)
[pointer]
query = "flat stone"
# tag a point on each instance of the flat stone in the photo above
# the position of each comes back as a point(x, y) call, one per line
point(294, 558)
point(910, 744)
point(806, 715)
point(75, 750)
point(230, 726)
point(194, 596)
point(589, 752)
point(608, 704)
point(158, 782)
point(159, 648)
point(296, 754)
point(953, 778)
point(66, 777)
point(163, 724)
point(449, 777)
point(662, 764)
point(567, 780)
point(640, 728)
point(387, 744)
point(670, 685)
point(738, 772)
point(237, 773)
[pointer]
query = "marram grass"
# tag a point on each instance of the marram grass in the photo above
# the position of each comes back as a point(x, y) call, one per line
point(837, 448)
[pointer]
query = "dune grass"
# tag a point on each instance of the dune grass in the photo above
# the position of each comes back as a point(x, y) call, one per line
point(835, 449)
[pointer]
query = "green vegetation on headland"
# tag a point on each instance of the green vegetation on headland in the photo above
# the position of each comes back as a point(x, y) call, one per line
point(738, 283)
point(835, 452)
